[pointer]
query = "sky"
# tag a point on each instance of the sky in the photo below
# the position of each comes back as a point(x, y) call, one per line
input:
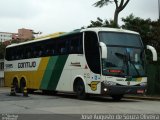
point(49, 16)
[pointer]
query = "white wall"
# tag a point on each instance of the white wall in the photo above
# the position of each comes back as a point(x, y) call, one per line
point(5, 36)
point(1, 68)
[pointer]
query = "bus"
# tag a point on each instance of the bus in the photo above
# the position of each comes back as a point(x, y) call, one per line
point(97, 61)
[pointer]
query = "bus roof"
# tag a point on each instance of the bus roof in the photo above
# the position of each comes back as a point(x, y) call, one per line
point(97, 29)
point(60, 34)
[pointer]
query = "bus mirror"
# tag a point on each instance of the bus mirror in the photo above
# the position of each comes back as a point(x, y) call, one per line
point(154, 52)
point(103, 50)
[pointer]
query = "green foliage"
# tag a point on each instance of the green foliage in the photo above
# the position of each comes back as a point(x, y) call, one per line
point(102, 23)
point(120, 5)
point(15, 41)
point(137, 24)
point(149, 30)
point(2, 50)
point(101, 3)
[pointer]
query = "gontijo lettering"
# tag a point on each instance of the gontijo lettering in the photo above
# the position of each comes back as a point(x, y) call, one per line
point(27, 64)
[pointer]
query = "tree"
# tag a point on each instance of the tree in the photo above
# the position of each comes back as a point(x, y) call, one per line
point(119, 7)
point(2, 50)
point(101, 23)
point(149, 30)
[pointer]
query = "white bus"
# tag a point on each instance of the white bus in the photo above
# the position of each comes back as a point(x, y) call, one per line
point(100, 61)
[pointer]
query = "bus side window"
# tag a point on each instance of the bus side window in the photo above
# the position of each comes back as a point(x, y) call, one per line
point(62, 50)
point(72, 46)
point(28, 54)
point(52, 52)
point(80, 45)
point(40, 53)
point(71, 49)
point(17, 54)
point(76, 44)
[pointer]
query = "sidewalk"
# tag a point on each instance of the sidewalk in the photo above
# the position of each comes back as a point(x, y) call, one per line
point(4, 89)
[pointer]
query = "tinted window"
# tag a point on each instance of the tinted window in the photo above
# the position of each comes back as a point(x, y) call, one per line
point(122, 61)
point(123, 39)
point(70, 44)
point(92, 51)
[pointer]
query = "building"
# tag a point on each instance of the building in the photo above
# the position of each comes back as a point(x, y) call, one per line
point(5, 36)
point(22, 35)
point(15, 36)
point(25, 34)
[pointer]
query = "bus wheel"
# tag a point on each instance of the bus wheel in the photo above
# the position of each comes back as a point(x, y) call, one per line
point(15, 84)
point(31, 91)
point(54, 92)
point(22, 84)
point(47, 92)
point(116, 97)
point(80, 90)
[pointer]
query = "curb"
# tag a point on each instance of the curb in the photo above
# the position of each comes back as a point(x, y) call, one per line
point(143, 98)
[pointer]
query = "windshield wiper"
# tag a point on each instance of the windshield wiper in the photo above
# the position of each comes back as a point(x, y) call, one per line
point(126, 59)
point(129, 59)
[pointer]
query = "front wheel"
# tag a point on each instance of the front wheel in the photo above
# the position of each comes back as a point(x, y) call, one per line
point(117, 97)
point(80, 90)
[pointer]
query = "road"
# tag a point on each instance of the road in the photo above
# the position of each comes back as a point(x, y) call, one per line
point(68, 104)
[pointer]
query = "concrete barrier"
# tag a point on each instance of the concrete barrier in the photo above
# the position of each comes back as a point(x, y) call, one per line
point(1, 82)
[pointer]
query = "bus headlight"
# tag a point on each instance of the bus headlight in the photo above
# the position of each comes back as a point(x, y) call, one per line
point(105, 89)
point(143, 84)
point(109, 83)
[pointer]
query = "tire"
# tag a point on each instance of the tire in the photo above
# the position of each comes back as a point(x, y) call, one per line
point(54, 92)
point(22, 85)
point(47, 92)
point(117, 97)
point(31, 91)
point(80, 90)
point(15, 84)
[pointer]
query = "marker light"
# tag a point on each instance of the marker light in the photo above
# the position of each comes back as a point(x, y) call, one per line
point(115, 71)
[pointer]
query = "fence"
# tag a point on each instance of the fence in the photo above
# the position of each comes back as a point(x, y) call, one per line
point(1, 72)
point(153, 72)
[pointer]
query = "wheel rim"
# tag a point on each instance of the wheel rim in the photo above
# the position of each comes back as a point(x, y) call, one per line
point(80, 89)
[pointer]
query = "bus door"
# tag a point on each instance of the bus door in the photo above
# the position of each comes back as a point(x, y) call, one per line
point(92, 72)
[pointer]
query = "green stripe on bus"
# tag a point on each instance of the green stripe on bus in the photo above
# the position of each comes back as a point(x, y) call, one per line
point(53, 72)
point(48, 72)
point(57, 71)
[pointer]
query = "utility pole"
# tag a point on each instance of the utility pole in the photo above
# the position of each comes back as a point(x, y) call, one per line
point(159, 8)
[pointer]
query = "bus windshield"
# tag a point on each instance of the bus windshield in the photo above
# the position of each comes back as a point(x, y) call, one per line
point(125, 54)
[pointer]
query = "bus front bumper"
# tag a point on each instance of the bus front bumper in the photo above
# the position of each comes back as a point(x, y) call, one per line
point(121, 90)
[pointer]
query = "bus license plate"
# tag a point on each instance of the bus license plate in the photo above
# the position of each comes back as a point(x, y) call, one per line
point(140, 91)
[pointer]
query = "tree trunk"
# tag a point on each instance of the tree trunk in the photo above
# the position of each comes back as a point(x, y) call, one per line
point(116, 13)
